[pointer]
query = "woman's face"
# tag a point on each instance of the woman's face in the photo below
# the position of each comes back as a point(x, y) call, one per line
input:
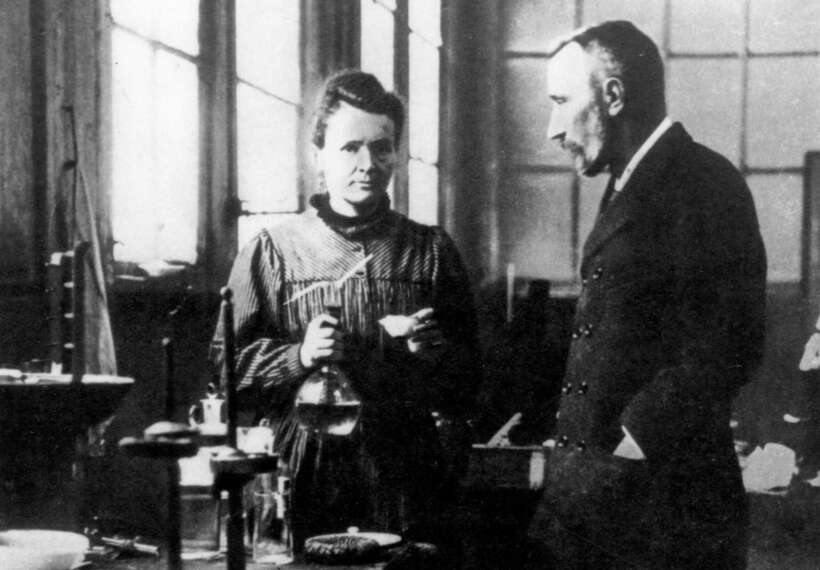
point(357, 160)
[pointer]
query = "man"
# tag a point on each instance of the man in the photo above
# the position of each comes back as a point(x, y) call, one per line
point(669, 321)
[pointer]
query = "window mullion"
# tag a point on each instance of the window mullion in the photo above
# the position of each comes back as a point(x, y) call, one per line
point(330, 42)
point(218, 188)
point(401, 81)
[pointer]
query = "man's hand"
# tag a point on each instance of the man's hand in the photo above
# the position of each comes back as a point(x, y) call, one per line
point(323, 342)
point(426, 339)
point(629, 448)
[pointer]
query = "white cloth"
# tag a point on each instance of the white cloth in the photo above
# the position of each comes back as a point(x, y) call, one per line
point(621, 181)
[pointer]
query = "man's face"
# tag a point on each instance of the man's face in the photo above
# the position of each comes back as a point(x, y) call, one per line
point(578, 121)
point(357, 160)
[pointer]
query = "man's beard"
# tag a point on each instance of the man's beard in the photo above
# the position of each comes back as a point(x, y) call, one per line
point(597, 166)
point(606, 134)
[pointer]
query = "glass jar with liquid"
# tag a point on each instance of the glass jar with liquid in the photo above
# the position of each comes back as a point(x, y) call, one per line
point(326, 402)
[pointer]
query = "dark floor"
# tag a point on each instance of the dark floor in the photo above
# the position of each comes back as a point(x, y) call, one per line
point(785, 530)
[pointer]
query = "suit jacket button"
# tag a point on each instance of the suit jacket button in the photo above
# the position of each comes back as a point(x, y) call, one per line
point(581, 445)
point(562, 441)
point(567, 388)
point(576, 335)
point(587, 330)
point(598, 273)
point(583, 388)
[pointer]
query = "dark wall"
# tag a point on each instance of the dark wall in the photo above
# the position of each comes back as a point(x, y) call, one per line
point(18, 217)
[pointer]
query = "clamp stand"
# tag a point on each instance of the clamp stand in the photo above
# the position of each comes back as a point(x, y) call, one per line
point(167, 441)
point(233, 468)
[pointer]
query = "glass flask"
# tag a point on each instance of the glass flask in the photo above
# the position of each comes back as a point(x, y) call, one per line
point(326, 402)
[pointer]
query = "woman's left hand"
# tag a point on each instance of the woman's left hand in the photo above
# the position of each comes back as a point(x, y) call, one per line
point(426, 339)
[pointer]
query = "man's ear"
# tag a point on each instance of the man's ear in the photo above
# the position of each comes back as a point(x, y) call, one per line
point(613, 89)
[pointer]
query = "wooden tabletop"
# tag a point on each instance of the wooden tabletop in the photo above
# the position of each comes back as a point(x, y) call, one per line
point(153, 563)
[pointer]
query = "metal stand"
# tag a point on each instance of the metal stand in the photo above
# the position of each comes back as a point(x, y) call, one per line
point(232, 468)
point(167, 441)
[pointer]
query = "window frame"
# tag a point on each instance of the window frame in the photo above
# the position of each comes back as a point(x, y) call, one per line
point(219, 206)
point(329, 40)
point(401, 85)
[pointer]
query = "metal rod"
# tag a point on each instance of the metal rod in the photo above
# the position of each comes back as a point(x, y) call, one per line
point(174, 515)
point(168, 350)
point(236, 522)
point(236, 529)
point(228, 368)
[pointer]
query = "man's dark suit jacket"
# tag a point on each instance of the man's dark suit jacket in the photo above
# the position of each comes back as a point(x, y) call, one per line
point(669, 322)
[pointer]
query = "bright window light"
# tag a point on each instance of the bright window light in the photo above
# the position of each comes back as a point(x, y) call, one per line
point(377, 49)
point(155, 171)
point(268, 111)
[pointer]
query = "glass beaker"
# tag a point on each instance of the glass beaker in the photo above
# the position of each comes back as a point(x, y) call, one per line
point(272, 541)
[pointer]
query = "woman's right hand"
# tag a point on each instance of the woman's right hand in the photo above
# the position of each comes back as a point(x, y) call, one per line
point(323, 342)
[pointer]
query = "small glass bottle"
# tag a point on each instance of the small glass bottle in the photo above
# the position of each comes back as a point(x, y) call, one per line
point(326, 402)
point(271, 536)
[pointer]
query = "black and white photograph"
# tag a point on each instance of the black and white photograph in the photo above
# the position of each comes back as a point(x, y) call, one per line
point(409, 284)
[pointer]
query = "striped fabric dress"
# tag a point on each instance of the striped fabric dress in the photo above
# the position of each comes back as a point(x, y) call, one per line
point(385, 476)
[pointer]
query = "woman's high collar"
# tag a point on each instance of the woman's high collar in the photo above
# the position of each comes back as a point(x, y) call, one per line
point(351, 227)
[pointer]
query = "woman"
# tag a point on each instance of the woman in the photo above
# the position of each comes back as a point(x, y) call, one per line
point(388, 474)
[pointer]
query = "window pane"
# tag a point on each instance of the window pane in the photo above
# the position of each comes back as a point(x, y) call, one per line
point(172, 23)
point(530, 25)
point(267, 45)
point(784, 25)
point(177, 157)
point(706, 26)
point(425, 19)
point(423, 100)
point(536, 211)
point(249, 226)
point(267, 130)
point(139, 16)
point(705, 95)
point(177, 24)
point(423, 192)
point(784, 117)
point(155, 157)
point(132, 162)
point(377, 42)
point(779, 203)
point(527, 110)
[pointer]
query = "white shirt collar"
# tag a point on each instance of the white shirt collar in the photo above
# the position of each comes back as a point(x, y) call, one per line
point(621, 181)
